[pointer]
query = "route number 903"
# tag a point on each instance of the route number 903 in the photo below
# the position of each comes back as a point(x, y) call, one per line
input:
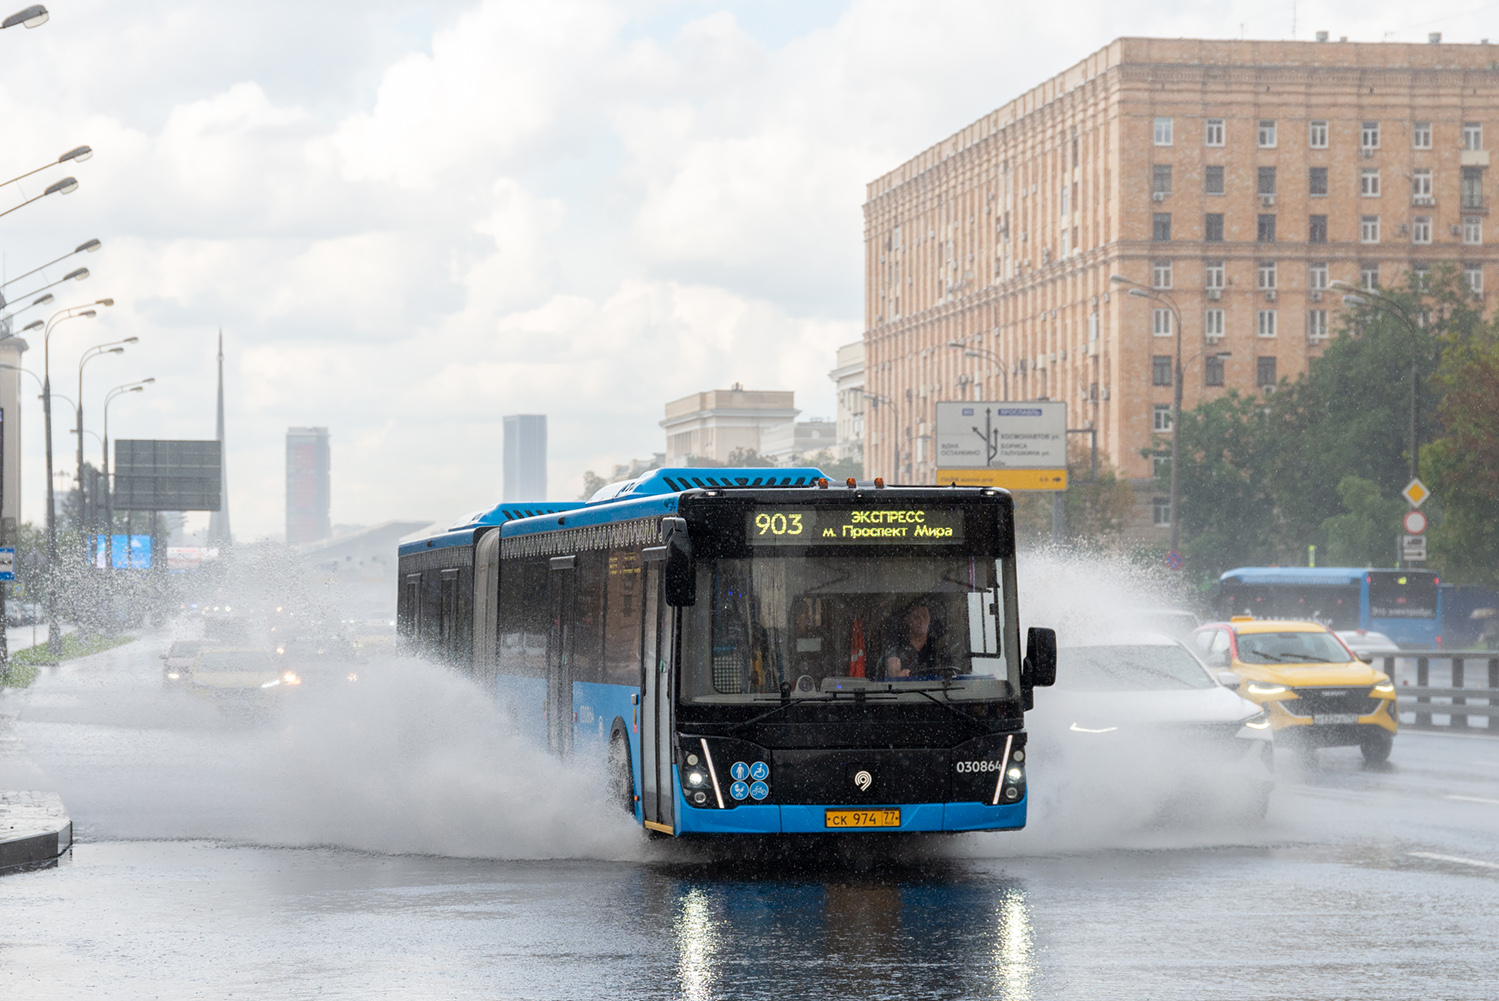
point(778, 524)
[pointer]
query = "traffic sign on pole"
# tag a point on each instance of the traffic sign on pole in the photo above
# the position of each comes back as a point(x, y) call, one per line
point(1416, 492)
point(8, 563)
point(1413, 548)
point(1414, 522)
point(1174, 560)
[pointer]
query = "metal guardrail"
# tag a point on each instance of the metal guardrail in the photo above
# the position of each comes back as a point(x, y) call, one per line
point(1417, 698)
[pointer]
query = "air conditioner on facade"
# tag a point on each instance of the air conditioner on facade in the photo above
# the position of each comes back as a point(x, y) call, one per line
point(1316, 295)
point(1405, 229)
point(1457, 231)
point(1158, 196)
point(1106, 392)
point(1214, 338)
point(1215, 294)
point(1269, 295)
point(1423, 200)
point(1267, 200)
point(1368, 154)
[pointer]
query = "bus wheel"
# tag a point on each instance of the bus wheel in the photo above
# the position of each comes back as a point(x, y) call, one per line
point(621, 777)
point(1376, 748)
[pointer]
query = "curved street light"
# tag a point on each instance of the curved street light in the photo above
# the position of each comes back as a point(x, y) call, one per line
point(109, 524)
point(97, 351)
point(66, 186)
point(87, 247)
point(32, 17)
point(77, 154)
point(999, 363)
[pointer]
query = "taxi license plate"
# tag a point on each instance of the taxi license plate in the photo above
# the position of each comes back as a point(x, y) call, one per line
point(861, 818)
point(1334, 718)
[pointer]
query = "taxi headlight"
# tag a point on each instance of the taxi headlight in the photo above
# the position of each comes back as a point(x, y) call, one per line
point(1259, 721)
point(290, 678)
point(1265, 688)
point(1385, 688)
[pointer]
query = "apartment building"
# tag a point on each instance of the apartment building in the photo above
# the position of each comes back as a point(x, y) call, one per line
point(1237, 178)
point(848, 385)
point(717, 423)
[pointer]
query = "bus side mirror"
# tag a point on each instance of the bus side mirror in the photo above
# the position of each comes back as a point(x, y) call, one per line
point(1041, 656)
point(680, 574)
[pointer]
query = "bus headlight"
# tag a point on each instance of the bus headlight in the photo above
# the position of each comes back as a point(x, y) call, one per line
point(694, 778)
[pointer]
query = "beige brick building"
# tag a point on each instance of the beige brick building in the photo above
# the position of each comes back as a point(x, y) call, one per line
point(1243, 177)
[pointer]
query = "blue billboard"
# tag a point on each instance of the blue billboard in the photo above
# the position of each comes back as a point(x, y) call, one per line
point(128, 552)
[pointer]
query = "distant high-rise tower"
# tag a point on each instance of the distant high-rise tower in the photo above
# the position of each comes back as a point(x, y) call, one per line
point(525, 457)
point(218, 521)
point(307, 492)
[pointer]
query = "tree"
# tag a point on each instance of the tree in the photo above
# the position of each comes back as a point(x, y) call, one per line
point(1462, 467)
point(1096, 510)
point(1361, 536)
point(834, 468)
point(592, 484)
point(747, 458)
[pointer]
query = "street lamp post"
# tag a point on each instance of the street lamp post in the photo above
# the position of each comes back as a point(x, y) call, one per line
point(66, 186)
point(877, 399)
point(87, 247)
point(77, 154)
point(1141, 292)
point(109, 524)
point(32, 17)
point(999, 363)
point(97, 351)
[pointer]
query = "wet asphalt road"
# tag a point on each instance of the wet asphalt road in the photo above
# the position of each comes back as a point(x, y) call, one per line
point(388, 844)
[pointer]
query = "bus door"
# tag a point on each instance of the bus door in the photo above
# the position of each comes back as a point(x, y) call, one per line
point(655, 705)
point(561, 585)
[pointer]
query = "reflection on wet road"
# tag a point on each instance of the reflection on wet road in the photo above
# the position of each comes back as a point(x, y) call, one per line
point(195, 877)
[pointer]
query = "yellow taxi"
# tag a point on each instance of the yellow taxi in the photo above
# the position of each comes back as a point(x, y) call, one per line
point(1318, 692)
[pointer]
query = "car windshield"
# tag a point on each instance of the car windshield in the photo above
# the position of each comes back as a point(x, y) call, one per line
point(1291, 648)
point(893, 626)
point(185, 648)
point(233, 660)
point(1145, 667)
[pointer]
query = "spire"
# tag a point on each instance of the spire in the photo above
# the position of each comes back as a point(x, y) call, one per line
point(218, 521)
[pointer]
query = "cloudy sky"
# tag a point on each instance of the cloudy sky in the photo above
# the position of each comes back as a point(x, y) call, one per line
point(410, 219)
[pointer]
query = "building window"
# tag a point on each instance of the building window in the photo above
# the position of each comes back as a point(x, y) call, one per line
point(1265, 372)
point(1368, 136)
point(1163, 132)
point(1214, 134)
point(1160, 508)
point(1317, 229)
point(1421, 184)
point(1316, 324)
point(1162, 417)
point(1368, 182)
point(1421, 278)
point(1160, 466)
point(1161, 322)
point(1472, 135)
point(1160, 274)
point(1316, 275)
point(1267, 133)
point(1267, 323)
point(1212, 272)
point(1267, 180)
point(1316, 181)
point(1368, 276)
point(1421, 135)
point(1213, 180)
point(1317, 138)
point(1421, 229)
point(1162, 226)
point(1212, 229)
point(1472, 229)
point(1472, 192)
point(1160, 181)
point(1212, 370)
point(1473, 275)
point(1368, 229)
point(1212, 323)
point(1265, 232)
point(1160, 370)
point(1267, 274)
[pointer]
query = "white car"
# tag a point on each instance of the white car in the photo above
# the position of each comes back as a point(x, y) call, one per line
point(1366, 644)
point(1142, 720)
point(177, 662)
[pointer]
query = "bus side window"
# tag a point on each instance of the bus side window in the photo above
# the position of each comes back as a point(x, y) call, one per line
point(622, 618)
point(523, 617)
point(448, 627)
point(586, 663)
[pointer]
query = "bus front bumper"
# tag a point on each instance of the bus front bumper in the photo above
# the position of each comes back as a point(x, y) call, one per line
point(798, 819)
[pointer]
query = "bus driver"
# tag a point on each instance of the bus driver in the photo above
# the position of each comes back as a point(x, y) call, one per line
point(916, 652)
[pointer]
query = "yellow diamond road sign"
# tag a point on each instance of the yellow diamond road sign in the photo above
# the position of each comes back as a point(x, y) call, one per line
point(1415, 491)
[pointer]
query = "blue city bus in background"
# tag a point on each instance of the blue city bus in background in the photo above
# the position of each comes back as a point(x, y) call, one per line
point(752, 651)
point(1405, 605)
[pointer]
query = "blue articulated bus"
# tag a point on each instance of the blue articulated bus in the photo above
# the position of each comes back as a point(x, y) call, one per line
point(1405, 605)
point(753, 651)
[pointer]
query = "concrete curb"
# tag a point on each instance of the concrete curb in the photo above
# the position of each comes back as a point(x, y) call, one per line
point(35, 829)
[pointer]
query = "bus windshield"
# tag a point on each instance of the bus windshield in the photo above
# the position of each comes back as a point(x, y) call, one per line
point(1395, 594)
point(897, 628)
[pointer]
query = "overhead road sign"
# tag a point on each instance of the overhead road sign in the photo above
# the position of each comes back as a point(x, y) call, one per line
point(1017, 446)
point(1416, 492)
point(162, 475)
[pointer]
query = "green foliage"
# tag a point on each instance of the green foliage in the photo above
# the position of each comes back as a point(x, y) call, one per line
point(73, 646)
point(1361, 537)
point(747, 458)
point(834, 468)
point(592, 484)
point(1462, 467)
point(1096, 511)
point(1263, 477)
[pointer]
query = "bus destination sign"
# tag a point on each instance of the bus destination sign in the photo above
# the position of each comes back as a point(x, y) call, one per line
point(872, 526)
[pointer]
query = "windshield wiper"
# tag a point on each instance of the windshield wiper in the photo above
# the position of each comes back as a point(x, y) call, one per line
point(1302, 658)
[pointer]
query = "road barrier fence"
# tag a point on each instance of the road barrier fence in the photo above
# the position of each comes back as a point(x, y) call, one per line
point(1468, 701)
